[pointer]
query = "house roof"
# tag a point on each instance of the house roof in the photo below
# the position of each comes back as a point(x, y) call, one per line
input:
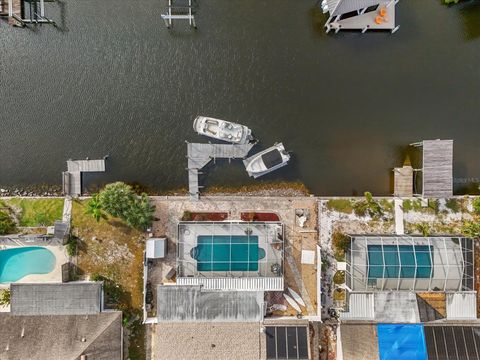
point(180, 341)
point(76, 298)
point(191, 303)
point(359, 341)
point(61, 337)
point(155, 248)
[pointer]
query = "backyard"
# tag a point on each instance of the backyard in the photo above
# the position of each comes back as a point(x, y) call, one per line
point(35, 212)
point(110, 250)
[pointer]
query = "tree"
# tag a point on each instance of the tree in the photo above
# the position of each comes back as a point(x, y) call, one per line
point(119, 200)
point(5, 297)
point(94, 208)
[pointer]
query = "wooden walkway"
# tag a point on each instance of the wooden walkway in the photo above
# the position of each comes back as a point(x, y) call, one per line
point(72, 178)
point(199, 155)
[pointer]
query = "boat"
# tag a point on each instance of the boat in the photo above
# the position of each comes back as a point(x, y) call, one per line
point(292, 303)
point(296, 297)
point(278, 307)
point(267, 161)
point(222, 130)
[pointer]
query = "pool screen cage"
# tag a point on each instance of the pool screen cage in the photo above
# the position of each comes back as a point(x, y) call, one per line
point(436, 263)
point(270, 236)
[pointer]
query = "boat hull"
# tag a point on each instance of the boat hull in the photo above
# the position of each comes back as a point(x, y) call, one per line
point(222, 130)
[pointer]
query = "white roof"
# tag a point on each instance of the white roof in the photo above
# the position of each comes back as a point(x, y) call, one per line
point(461, 305)
point(156, 248)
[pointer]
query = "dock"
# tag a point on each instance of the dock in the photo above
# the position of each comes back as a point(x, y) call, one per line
point(437, 168)
point(199, 155)
point(72, 178)
point(403, 181)
point(360, 15)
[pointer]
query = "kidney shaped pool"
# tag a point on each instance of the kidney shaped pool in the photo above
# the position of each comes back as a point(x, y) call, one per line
point(16, 263)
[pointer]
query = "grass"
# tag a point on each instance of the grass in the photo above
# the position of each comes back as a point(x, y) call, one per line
point(341, 205)
point(111, 250)
point(36, 212)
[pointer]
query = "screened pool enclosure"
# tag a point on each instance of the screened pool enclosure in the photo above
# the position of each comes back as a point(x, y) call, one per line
point(437, 263)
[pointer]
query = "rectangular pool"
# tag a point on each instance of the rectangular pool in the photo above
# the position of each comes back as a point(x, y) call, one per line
point(392, 256)
point(227, 253)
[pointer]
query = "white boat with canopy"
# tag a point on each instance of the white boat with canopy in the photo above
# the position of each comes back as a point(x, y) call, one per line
point(267, 160)
point(222, 130)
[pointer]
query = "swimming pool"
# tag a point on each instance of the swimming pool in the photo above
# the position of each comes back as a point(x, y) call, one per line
point(18, 262)
point(227, 253)
point(402, 261)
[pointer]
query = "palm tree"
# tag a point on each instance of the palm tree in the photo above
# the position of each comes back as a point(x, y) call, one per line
point(94, 208)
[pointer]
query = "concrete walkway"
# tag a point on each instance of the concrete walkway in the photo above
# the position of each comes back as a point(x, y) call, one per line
point(399, 228)
point(67, 210)
point(299, 282)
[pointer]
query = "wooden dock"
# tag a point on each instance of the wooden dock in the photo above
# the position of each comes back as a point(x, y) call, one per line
point(403, 181)
point(199, 155)
point(437, 168)
point(72, 178)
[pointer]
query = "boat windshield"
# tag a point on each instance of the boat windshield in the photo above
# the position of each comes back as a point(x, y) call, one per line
point(272, 158)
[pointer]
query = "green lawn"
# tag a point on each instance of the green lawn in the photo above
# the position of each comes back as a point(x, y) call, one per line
point(37, 212)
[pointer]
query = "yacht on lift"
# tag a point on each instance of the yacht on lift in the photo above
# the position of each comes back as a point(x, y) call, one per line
point(267, 161)
point(223, 130)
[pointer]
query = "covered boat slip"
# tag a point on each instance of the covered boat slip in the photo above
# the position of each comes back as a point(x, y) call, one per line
point(230, 250)
point(441, 263)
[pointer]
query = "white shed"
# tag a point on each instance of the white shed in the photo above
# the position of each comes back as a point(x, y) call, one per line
point(156, 248)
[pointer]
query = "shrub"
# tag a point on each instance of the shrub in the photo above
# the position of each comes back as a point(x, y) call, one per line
point(453, 205)
point(94, 208)
point(7, 225)
point(368, 206)
point(340, 205)
point(340, 242)
point(471, 229)
point(424, 228)
point(71, 245)
point(339, 277)
point(476, 205)
point(187, 216)
point(434, 205)
point(119, 200)
point(5, 297)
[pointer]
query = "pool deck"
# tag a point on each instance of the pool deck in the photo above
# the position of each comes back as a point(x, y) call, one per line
point(10, 242)
point(300, 277)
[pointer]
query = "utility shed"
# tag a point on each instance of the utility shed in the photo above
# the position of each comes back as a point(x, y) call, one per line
point(156, 248)
point(437, 168)
point(75, 298)
point(190, 303)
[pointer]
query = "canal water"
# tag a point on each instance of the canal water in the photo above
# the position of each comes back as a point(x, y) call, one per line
point(111, 79)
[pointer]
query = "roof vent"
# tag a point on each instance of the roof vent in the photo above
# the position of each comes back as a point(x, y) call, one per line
point(84, 339)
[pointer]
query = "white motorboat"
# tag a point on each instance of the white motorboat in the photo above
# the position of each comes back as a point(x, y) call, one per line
point(267, 160)
point(222, 130)
point(292, 303)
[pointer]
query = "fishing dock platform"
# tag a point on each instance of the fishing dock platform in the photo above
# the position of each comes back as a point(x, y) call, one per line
point(199, 155)
point(72, 178)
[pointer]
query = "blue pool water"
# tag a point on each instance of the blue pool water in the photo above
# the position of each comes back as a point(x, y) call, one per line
point(18, 262)
point(401, 342)
point(224, 253)
point(391, 254)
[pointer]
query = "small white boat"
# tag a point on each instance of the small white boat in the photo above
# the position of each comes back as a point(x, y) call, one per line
point(278, 307)
point(292, 303)
point(267, 160)
point(222, 130)
point(296, 297)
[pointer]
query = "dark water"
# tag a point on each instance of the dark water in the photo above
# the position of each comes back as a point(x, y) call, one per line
point(113, 80)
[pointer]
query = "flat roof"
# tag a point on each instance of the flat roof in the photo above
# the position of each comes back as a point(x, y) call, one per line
point(192, 341)
point(191, 303)
point(75, 298)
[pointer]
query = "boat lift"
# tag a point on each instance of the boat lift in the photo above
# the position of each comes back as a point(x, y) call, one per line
point(23, 12)
point(179, 10)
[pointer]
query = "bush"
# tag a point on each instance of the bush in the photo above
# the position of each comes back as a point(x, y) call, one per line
point(71, 246)
point(424, 228)
point(368, 206)
point(476, 205)
point(5, 297)
point(339, 277)
point(340, 205)
point(7, 225)
point(453, 205)
point(471, 229)
point(340, 242)
point(119, 200)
